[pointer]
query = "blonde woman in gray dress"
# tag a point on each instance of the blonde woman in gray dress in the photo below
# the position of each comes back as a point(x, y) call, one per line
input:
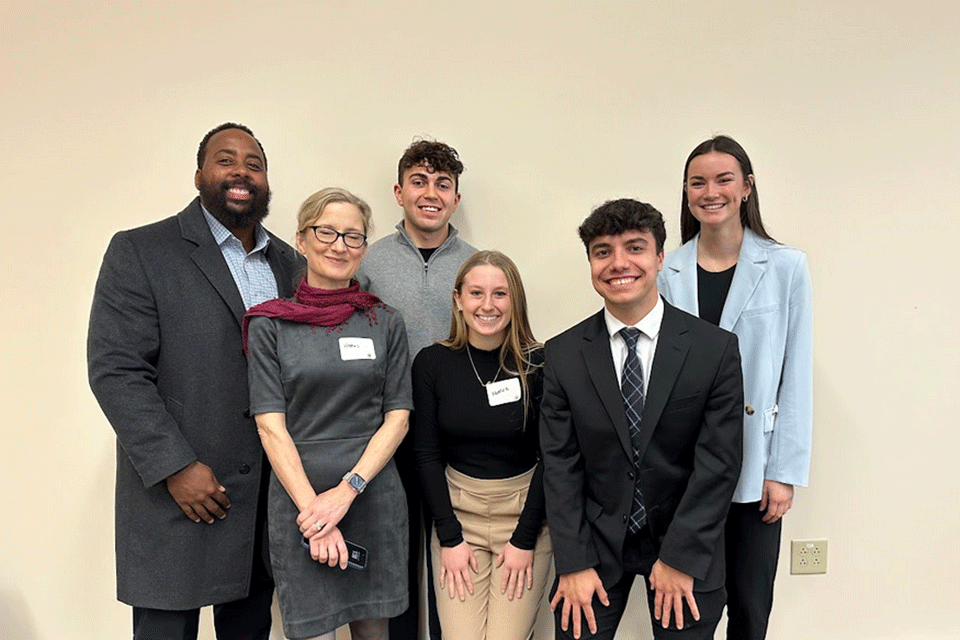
point(330, 390)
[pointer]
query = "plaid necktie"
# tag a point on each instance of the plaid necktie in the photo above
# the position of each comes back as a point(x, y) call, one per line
point(631, 388)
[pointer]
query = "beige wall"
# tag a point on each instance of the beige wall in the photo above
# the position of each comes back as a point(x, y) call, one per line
point(849, 111)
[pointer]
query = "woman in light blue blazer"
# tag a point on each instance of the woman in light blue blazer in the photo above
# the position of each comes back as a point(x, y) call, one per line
point(731, 272)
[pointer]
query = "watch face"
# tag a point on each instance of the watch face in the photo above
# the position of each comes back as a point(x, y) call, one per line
point(357, 482)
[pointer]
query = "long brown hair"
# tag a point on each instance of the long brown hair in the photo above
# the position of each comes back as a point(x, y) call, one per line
point(749, 210)
point(519, 343)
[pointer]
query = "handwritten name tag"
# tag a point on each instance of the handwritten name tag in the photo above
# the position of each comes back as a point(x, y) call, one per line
point(503, 392)
point(357, 349)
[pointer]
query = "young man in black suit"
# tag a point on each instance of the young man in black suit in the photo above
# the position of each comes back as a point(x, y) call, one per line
point(641, 433)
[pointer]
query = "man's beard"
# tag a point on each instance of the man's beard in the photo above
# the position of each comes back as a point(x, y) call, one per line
point(214, 198)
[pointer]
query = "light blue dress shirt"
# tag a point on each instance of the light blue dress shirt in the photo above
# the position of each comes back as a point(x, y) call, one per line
point(250, 271)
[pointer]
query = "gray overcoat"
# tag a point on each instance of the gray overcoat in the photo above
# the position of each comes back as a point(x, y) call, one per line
point(166, 363)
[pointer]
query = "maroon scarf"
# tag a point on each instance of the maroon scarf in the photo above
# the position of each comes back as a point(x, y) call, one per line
point(328, 308)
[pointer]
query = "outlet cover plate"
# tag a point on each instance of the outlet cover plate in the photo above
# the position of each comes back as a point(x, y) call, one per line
point(808, 556)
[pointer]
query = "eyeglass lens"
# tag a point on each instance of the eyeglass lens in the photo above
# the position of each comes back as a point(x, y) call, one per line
point(327, 235)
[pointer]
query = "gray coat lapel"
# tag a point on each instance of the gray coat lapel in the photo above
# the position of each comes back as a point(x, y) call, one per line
point(284, 262)
point(672, 347)
point(207, 256)
point(599, 362)
point(751, 265)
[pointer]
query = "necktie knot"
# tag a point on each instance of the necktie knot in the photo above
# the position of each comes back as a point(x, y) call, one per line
point(630, 335)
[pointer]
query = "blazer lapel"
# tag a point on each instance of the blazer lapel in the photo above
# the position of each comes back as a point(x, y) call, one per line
point(751, 265)
point(599, 362)
point(207, 256)
point(672, 347)
point(681, 277)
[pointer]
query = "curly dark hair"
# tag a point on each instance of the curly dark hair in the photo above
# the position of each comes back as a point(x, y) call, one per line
point(202, 150)
point(614, 217)
point(435, 156)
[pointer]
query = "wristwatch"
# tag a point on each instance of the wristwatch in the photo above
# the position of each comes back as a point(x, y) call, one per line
point(356, 482)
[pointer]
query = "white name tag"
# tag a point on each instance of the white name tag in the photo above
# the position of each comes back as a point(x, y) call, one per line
point(357, 349)
point(503, 392)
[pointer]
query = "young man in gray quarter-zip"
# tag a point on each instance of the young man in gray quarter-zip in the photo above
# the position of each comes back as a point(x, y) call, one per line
point(414, 270)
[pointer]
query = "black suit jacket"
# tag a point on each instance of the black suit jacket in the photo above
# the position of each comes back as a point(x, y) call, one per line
point(692, 433)
point(166, 364)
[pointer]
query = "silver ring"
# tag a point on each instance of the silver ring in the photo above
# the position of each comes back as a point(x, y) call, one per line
point(318, 525)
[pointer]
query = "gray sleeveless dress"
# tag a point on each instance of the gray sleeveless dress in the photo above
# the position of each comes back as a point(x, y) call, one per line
point(333, 407)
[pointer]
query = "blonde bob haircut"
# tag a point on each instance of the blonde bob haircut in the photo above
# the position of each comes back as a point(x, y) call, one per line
point(313, 206)
point(519, 342)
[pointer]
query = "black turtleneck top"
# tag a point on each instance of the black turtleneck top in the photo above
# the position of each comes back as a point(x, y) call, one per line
point(455, 425)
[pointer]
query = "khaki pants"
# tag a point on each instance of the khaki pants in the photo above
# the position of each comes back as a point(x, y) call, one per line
point(488, 511)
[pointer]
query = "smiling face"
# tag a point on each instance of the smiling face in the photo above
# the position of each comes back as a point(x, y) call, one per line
point(429, 199)
point(232, 180)
point(715, 187)
point(484, 301)
point(332, 266)
point(624, 270)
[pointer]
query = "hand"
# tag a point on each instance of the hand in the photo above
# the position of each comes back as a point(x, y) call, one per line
point(577, 590)
point(455, 563)
point(517, 570)
point(326, 510)
point(672, 586)
point(776, 501)
point(199, 494)
point(329, 549)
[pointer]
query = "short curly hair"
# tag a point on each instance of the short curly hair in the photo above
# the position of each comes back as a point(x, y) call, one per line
point(202, 150)
point(435, 156)
point(614, 217)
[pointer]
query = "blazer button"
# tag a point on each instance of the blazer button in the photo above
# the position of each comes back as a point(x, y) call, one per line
point(748, 409)
point(624, 518)
point(630, 474)
point(244, 468)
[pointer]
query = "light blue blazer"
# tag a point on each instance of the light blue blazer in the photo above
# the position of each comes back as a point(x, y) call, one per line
point(769, 307)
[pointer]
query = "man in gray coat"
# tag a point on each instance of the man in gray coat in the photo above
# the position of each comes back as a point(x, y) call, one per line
point(166, 364)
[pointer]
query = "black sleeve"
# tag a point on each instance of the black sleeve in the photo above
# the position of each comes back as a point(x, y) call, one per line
point(697, 526)
point(426, 446)
point(533, 514)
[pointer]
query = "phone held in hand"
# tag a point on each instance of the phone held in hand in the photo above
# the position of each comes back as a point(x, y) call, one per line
point(356, 555)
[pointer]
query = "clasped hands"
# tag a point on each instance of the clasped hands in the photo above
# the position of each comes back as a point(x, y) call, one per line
point(318, 523)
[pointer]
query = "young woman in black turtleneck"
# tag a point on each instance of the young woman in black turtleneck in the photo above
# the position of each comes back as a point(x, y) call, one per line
point(476, 398)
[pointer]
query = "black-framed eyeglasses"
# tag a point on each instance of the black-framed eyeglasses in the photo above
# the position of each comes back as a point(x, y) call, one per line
point(326, 235)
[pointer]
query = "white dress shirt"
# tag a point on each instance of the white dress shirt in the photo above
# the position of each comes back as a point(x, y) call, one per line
point(649, 327)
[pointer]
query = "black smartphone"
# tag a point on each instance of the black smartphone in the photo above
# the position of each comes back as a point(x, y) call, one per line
point(356, 555)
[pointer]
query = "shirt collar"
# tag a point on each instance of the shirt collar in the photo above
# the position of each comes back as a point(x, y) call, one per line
point(221, 234)
point(649, 324)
